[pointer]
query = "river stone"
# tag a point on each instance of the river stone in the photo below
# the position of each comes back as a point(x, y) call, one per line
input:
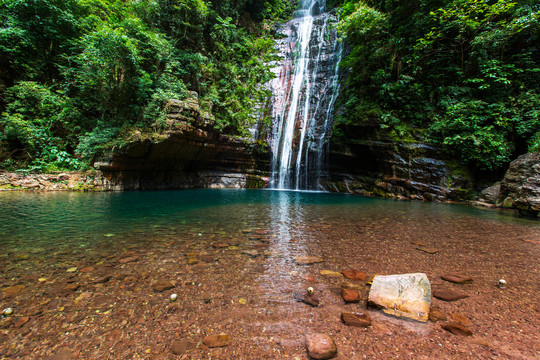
point(457, 329)
point(355, 275)
point(407, 295)
point(356, 319)
point(457, 278)
point(320, 346)
point(437, 315)
point(308, 260)
point(449, 295)
point(162, 285)
point(330, 273)
point(428, 250)
point(309, 299)
point(218, 340)
point(350, 295)
point(71, 287)
point(348, 285)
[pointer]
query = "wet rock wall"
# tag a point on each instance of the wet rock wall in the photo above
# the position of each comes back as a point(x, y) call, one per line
point(190, 154)
point(379, 166)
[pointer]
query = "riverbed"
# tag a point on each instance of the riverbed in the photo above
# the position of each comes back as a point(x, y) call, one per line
point(80, 270)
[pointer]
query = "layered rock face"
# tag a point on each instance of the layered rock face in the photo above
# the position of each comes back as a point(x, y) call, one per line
point(382, 167)
point(520, 188)
point(190, 154)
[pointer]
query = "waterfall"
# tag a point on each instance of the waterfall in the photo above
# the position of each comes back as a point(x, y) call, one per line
point(304, 93)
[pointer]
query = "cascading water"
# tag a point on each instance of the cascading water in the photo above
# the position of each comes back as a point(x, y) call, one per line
point(304, 93)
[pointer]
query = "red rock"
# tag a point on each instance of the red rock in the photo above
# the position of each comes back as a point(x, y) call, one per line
point(356, 319)
point(320, 346)
point(437, 315)
point(128, 259)
point(162, 285)
point(355, 275)
point(458, 279)
point(460, 319)
point(310, 278)
point(219, 340)
point(449, 295)
point(350, 295)
point(23, 320)
point(457, 329)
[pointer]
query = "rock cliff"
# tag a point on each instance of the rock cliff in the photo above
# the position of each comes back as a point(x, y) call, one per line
point(371, 164)
point(520, 188)
point(191, 153)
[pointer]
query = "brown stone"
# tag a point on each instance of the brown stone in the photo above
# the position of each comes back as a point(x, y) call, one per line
point(355, 275)
point(309, 299)
point(179, 347)
point(458, 279)
point(449, 295)
point(348, 285)
point(87, 269)
point(330, 273)
point(128, 259)
point(308, 260)
point(220, 245)
point(12, 290)
point(461, 319)
point(320, 346)
point(162, 285)
point(218, 340)
point(437, 315)
point(350, 295)
point(23, 320)
point(71, 287)
point(428, 250)
point(457, 329)
point(251, 253)
point(356, 319)
point(192, 261)
point(101, 280)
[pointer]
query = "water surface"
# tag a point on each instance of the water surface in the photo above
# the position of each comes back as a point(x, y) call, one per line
point(230, 254)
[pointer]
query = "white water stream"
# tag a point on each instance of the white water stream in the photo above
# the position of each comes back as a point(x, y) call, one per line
point(305, 90)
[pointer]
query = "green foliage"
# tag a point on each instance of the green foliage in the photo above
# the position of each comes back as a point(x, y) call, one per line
point(77, 75)
point(468, 71)
point(34, 120)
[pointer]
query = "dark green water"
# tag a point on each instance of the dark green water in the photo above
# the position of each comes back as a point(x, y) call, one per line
point(85, 219)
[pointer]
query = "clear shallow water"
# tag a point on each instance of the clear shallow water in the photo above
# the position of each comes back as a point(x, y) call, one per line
point(243, 276)
point(61, 218)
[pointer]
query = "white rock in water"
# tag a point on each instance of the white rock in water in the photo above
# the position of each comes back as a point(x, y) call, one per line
point(173, 297)
point(407, 295)
point(7, 311)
